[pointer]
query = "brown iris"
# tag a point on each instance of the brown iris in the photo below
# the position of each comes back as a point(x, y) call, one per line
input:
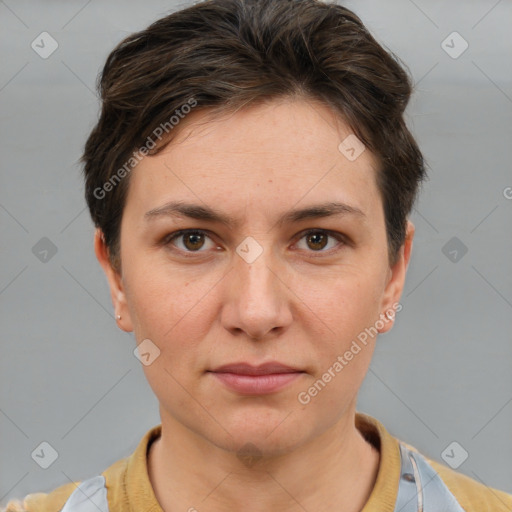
point(196, 241)
point(316, 237)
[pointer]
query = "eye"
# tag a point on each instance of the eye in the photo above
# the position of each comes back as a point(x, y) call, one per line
point(317, 239)
point(193, 239)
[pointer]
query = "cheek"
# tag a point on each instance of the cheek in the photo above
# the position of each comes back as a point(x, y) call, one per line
point(345, 305)
point(161, 297)
point(176, 313)
point(342, 354)
point(346, 337)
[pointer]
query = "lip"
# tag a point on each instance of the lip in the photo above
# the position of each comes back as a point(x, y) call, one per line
point(263, 369)
point(247, 379)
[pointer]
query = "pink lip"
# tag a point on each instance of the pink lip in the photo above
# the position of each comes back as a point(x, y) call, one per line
point(256, 380)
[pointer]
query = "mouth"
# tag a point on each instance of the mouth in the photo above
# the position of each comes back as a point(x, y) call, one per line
point(246, 379)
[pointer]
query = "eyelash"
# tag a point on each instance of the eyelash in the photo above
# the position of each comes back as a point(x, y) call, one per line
point(333, 234)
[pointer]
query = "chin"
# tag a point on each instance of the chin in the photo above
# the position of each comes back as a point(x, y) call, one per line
point(266, 435)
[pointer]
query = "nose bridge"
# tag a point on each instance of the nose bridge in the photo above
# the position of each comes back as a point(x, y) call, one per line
point(254, 268)
point(257, 294)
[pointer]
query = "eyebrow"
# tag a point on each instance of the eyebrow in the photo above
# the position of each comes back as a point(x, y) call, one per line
point(194, 211)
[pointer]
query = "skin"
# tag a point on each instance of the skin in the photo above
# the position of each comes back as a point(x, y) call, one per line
point(301, 302)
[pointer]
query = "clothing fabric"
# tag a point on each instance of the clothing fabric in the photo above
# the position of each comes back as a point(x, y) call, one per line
point(128, 487)
point(420, 489)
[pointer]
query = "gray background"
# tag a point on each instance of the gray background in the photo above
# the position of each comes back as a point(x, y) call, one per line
point(68, 374)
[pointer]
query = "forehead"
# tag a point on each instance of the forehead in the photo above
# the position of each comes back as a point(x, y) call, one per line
point(265, 156)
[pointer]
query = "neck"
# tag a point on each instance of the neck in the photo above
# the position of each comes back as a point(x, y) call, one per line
point(336, 470)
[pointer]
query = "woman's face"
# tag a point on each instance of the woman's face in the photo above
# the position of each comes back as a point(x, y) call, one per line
point(260, 289)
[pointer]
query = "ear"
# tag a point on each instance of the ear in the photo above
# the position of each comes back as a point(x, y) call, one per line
point(394, 287)
point(115, 282)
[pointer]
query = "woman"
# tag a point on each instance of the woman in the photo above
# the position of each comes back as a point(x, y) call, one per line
point(250, 179)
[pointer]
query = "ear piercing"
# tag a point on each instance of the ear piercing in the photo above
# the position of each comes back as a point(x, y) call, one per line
point(118, 317)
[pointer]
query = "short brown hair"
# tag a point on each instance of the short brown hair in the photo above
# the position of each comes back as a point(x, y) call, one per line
point(221, 55)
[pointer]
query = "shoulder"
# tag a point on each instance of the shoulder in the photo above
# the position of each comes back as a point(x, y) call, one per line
point(42, 502)
point(55, 500)
point(472, 495)
point(114, 478)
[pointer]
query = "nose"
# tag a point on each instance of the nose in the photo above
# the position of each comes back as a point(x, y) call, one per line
point(257, 301)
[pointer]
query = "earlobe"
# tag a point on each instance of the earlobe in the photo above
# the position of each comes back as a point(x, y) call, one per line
point(115, 283)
